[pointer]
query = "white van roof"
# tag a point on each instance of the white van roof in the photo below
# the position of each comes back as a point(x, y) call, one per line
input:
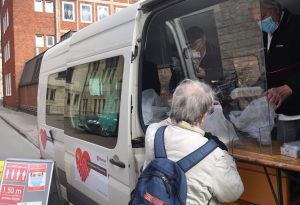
point(56, 57)
point(113, 32)
point(116, 32)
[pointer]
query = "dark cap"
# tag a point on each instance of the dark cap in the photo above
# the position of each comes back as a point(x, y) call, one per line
point(194, 33)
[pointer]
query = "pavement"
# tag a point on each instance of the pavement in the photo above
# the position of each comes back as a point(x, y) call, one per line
point(23, 123)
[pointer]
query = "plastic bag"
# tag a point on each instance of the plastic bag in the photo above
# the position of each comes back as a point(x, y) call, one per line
point(218, 125)
point(257, 119)
point(153, 108)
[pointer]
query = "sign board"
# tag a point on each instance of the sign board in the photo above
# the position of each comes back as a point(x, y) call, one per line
point(30, 182)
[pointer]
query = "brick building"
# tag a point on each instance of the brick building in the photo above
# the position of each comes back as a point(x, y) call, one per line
point(1, 82)
point(31, 27)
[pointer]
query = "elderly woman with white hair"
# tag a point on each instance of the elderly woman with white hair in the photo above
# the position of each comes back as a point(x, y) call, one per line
point(214, 179)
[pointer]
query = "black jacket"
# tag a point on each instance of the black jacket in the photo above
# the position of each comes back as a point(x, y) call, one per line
point(283, 61)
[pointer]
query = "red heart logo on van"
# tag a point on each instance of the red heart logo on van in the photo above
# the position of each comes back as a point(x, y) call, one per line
point(82, 159)
point(43, 135)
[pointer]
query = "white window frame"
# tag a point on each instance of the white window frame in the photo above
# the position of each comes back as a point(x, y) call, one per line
point(3, 23)
point(3, 2)
point(39, 43)
point(38, 5)
point(63, 10)
point(47, 42)
point(102, 9)
point(7, 19)
point(48, 6)
point(118, 9)
point(6, 52)
point(8, 84)
point(81, 13)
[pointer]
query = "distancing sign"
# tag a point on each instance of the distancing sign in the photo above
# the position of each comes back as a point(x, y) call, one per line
point(30, 182)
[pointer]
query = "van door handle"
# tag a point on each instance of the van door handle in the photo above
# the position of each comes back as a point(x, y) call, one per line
point(117, 162)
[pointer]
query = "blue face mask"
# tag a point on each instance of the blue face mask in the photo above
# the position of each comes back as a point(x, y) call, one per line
point(268, 25)
point(36, 180)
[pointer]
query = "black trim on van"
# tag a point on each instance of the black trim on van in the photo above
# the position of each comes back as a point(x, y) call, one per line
point(157, 3)
point(62, 177)
point(78, 198)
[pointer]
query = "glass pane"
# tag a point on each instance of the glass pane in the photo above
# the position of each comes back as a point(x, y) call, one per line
point(39, 41)
point(50, 41)
point(95, 90)
point(222, 45)
point(49, 6)
point(38, 5)
point(102, 12)
point(55, 100)
point(86, 13)
point(68, 11)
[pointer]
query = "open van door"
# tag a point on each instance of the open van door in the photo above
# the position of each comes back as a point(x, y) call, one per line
point(51, 98)
point(98, 159)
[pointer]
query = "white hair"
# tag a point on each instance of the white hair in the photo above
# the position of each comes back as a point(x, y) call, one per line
point(191, 100)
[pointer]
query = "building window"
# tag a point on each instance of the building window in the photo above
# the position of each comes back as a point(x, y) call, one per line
point(52, 94)
point(55, 99)
point(117, 9)
point(6, 52)
point(68, 11)
point(69, 99)
point(49, 6)
point(102, 12)
point(39, 41)
point(8, 84)
point(3, 2)
point(76, 97)
point(5, 21)
point(86, 13)
point(50, 41)
point(3, 24)
point(38, 5)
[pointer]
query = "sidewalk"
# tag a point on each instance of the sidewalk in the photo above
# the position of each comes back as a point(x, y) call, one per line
point(24, 123)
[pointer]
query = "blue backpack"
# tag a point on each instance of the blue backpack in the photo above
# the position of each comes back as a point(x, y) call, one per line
point(163, 182)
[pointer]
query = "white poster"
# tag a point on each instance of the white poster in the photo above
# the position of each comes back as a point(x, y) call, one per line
point(91, 170)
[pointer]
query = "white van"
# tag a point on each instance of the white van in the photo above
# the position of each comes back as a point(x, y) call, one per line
point(102, 87)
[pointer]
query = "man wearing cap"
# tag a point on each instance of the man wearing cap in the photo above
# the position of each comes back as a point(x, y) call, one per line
point(206, 57)
point(281, 33)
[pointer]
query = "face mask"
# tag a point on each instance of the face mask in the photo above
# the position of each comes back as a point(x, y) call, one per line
point(195, 54)
point(36, 180)
point(268, 25)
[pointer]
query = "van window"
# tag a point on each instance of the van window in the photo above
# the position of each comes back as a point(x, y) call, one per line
point(55, 98)
point(213, 41)
point(92, 108)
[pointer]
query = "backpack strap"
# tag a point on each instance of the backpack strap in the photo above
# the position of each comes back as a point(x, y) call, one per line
point(195, 157)
point(159, 143)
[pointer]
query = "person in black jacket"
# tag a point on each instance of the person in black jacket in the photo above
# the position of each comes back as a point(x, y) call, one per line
point(281, 35)
point(206, 57)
